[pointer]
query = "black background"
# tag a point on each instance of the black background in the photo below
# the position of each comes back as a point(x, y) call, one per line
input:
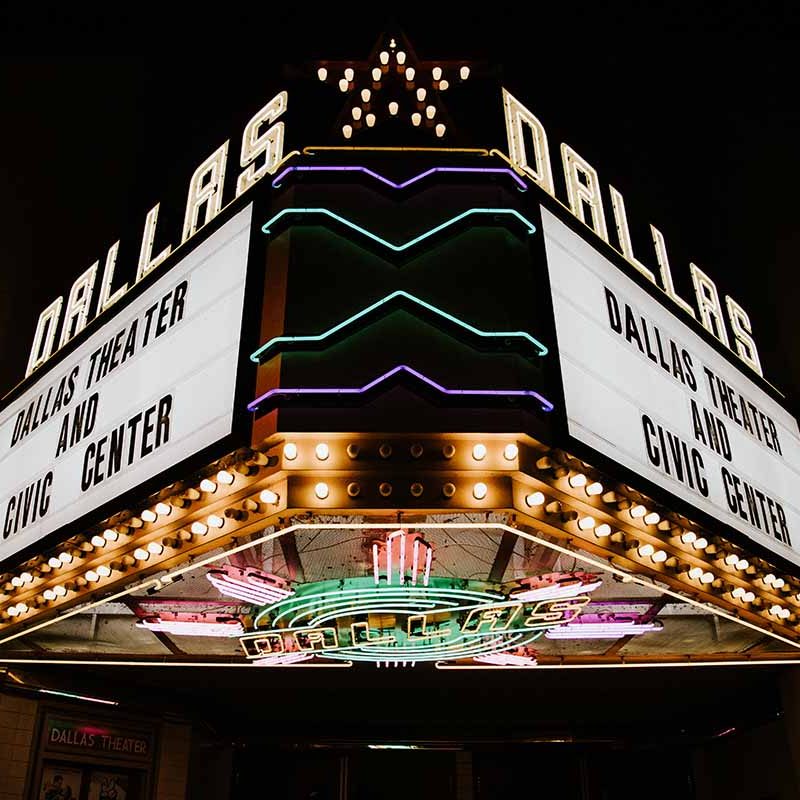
point(690, 112)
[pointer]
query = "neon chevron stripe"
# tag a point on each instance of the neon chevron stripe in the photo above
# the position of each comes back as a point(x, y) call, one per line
point(521, 185)
point(277, 341)
point(341, 391)
point(399, 248)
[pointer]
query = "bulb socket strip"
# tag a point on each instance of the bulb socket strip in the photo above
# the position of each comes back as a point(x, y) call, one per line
point(729, 562)
point(176, 525)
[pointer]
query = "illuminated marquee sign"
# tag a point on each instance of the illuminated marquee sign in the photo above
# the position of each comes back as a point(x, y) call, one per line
point(645, 390)
point(444, 619)
point(123, 407)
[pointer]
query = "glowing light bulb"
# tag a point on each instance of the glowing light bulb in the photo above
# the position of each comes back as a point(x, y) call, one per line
point(732, 559)
point(584, 523)
point(384, 57)
point(268, 496)
point(660, 556)
point(26, 577)
point(437, 73)
point(393, 108)
point(322, 73)
point(156, 548)
point(652, 518)
point(464, 72)
point(321, 490)
point(700, 544)
point(480, 490)
point(594, 488)
point(225, 477)
point(60, 591)
point(148, 515)
point(347, 131)
point(638, 511)
point(440, 129)
point(376, 74)
point(199, 528)
point(215, 521)
point(749, 597)
point(510, 452)
point(141, 554)
point(49, 595)
point(401, 58)
point(646, 550)
point(290, 451)
point(534, 499)
point(695, 572)
point(776, 610)
point(738, 593)
point(349, 74)
point(208, 486)
point(370, 118)
point(322, 451)
point(416, 118)
point(12, 611)
point(479, 452)
point(163, 509)
point(778, 583)
point(22, 607)
point(104, 570)
point(54, 562)
point(443, 85)
point(109, 534)
point(603, 529)
point(65, 558)
point(688, 537)
point(343, 85)
point(98, 541)
point(410, 73)
point(16, 582)
point(707, 577)
point(421, 94)
point(577, 480)
point(430, 112)
point(356, 112)
point(742, 564)
point(365, 95)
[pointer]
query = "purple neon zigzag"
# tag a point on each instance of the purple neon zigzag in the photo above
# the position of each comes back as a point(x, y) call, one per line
point(545, 403)
point(521, 185)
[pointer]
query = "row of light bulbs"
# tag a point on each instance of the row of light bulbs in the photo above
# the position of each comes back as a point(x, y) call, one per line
point(140, 554)
point(658, 556)
point(322, 451)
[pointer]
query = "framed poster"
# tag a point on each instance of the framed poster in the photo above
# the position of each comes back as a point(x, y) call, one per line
point(108, 786)
point(59, 783)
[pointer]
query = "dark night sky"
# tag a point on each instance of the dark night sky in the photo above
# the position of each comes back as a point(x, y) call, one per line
point(691, 113)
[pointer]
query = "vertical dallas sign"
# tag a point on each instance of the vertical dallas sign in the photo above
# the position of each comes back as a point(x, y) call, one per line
point(149, 389)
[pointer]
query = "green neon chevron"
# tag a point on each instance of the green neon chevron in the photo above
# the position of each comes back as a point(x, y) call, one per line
point(399, 248)
point(264, 352)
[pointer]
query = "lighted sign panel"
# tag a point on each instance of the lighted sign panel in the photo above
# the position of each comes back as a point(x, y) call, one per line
point(644, 389)
point(152, 387)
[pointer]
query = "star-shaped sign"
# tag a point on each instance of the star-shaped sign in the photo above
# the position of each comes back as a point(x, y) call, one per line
point(393, 84)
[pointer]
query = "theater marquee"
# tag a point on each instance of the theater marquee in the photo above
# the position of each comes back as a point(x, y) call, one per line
point(123, 407)
point(645, 390)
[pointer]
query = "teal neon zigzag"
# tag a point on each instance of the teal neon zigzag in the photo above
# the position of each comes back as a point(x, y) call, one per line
point(278, 340)
point(399, 248)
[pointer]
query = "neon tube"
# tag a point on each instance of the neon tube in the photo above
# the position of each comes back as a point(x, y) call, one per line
point(506, 660)
point(523, 187)
point(604, 626)
point(193, 627)
point(295, 342)
point(339, 391)
point(399, 248)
